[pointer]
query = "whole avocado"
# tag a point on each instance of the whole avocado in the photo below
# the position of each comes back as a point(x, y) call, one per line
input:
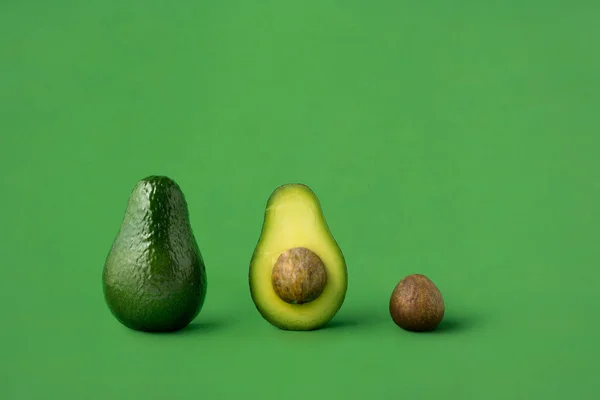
point(154, 277)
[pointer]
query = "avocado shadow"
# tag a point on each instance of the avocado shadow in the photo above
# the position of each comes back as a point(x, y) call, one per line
point(455, 325)
point(200, 327)
point(342, 323)
point(354, 321)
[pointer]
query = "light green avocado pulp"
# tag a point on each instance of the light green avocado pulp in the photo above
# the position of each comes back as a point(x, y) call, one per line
point(293, 218)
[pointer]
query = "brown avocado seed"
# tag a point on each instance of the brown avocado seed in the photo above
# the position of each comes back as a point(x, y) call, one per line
point(299, 276)
point(416, 304)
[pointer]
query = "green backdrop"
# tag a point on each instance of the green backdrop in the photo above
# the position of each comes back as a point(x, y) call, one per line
point(458, 139)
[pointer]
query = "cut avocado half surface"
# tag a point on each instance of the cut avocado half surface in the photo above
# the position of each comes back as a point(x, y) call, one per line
point(294, 220)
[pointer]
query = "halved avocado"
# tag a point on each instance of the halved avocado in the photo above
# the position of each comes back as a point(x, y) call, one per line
point(293, 226)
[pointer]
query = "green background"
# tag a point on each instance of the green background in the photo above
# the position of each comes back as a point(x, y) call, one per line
point(458, 139)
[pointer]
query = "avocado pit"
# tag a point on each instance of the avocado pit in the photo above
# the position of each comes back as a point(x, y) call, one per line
point(299, 276)
point(416, 304)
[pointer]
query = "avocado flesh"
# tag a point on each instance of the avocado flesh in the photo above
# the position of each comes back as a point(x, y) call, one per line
point(154, 277)
point(294, 218)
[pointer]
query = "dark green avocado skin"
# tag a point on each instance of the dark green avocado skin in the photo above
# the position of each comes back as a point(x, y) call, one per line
point(154, 277)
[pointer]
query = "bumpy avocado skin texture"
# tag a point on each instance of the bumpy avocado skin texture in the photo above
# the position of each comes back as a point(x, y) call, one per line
point(283, 229)
point(154, 277)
